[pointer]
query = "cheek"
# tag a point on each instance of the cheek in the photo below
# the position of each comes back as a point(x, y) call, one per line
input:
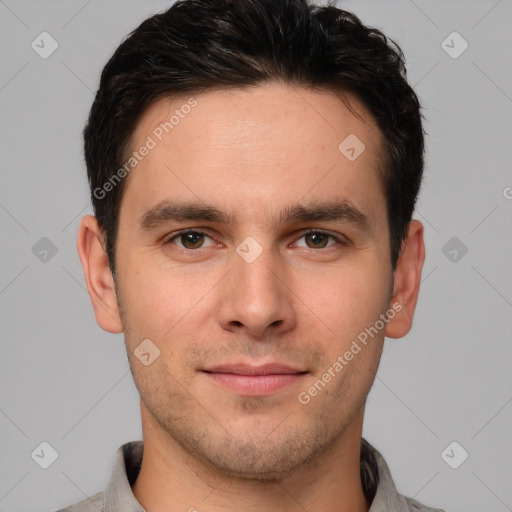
point(349, 299)
point(162, 300)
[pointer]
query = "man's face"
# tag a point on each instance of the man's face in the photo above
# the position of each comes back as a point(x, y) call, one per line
point(257, 289)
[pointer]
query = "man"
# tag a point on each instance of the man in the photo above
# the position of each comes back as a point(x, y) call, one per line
point(254, 167)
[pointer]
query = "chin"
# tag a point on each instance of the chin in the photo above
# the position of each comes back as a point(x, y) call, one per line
point(262, 460)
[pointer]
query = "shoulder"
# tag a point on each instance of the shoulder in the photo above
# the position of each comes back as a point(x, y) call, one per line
point(416, 506)
point(92, 504)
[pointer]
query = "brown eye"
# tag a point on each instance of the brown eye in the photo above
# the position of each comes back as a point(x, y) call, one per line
point(188, 240)
point(192, 240)
point(314, 239)
point(318, 240)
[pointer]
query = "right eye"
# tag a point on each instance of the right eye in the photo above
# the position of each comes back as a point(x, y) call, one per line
point(190, 239)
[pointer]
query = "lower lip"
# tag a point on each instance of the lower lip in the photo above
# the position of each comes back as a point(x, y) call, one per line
point(255, 385)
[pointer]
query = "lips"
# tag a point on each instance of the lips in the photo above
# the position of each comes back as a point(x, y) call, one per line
point(265, 369)
point(248, 380)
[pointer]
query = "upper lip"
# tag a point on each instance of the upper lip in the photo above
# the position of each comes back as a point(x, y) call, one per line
point(245, 369)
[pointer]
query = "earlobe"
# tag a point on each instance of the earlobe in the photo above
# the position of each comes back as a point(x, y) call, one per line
point(98, 277)
point(407, 280)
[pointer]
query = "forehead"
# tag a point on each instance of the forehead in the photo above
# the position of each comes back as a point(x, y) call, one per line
point(272, 141)
point(259, 110)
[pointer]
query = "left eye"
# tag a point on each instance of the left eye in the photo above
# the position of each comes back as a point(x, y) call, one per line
point(318, 239)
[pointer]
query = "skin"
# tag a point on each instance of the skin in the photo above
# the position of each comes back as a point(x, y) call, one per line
point(301, 302)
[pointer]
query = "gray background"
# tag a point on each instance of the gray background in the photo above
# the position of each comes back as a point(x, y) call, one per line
point(66, 382)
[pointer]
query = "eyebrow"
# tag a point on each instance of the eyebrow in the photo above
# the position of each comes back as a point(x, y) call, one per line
point(338, 210)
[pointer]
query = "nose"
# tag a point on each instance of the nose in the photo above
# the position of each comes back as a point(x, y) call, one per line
point(257, 299)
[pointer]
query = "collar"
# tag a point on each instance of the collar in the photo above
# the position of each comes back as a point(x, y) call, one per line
point(378, 485)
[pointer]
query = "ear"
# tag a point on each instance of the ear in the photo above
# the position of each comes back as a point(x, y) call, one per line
point(406, 283)
point(98, 276)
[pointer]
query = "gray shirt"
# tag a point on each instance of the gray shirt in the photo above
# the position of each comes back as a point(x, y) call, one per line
point(378, 486)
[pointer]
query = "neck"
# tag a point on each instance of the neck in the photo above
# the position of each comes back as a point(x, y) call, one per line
point(172, 479)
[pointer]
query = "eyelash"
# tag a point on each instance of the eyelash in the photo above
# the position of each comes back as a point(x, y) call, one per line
point(340, 241)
